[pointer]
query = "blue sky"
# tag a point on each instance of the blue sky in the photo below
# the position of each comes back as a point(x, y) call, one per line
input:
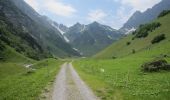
point(110, 12)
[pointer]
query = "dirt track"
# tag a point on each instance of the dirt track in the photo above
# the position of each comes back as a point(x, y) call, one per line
point(69, 86)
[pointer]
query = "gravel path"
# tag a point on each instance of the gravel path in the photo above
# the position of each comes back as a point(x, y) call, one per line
point(69, 86)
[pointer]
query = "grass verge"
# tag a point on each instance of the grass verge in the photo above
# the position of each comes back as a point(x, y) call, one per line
point(20, 83)
point(122, 79)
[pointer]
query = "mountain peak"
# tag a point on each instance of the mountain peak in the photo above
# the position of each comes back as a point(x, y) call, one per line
point(91, 38)
point(77, 24)
point(95, 23)
point(149, 15)
point(137, 13)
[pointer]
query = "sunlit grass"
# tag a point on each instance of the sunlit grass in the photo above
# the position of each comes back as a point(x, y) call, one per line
point(123, 79)
point(19, 83)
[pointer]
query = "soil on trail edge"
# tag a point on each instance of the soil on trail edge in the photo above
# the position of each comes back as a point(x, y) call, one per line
point(69, 86)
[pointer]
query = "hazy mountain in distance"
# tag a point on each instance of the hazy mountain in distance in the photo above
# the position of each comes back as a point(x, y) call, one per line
point(90, 39)
point(149, 15)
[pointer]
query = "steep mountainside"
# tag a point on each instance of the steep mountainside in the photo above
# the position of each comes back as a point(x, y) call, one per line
point(62, 29)
point(149, 15)
point(156, 41)
point(90, 39)
point(23, 28)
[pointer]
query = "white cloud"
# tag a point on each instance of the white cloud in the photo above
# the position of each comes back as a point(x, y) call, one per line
point(96, 15)
point(60, 8)
point(141, 5)
point(116, 18)
point(53, 6)
point(120, 17)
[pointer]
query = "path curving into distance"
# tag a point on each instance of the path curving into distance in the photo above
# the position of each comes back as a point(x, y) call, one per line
point(69, 86)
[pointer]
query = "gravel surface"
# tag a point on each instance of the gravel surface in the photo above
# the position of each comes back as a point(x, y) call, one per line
point(69, 86)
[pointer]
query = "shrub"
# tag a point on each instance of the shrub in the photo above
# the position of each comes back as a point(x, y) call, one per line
point(158, 38)
point(128, 43)
point(1, 46)
point(163, 13)
point(1, 58)
point(133, 51)
point(143, 30)
point(133, 38)
point(134, 32)
point(114, 57)
point(155, 66)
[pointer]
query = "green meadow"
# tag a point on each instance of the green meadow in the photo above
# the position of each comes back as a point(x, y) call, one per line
point(20, 83)
point(116, 73)
point(123, 79)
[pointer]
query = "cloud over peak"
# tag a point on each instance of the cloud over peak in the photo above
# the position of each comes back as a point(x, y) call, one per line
point(140, 5)
point(60, 8)
point(110, 12)
point(53, 6)
point(96, 15)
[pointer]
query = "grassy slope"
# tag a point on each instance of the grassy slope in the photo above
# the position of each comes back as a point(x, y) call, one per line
point(10, 55)
point(16, 83)
point(119, 49)
point(122, 78)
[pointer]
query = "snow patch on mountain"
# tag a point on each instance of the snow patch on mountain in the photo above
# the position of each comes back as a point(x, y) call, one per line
point(109, 37)
point(62, 33)
point(130, 30)
point(84, 28)
point(110, 29)
point(67, 40)
point(75, 49)
point(78, 51)
point(57, 27)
